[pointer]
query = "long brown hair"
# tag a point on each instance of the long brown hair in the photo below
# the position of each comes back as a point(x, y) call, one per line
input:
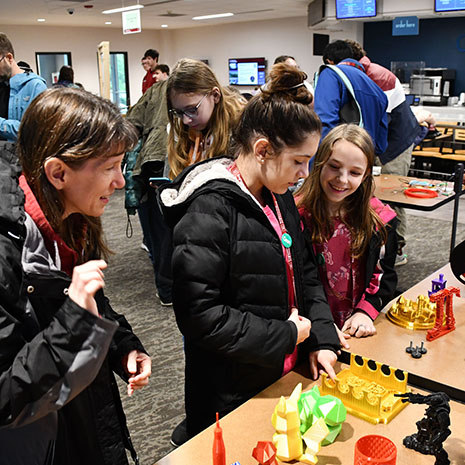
point(280, 112)
point(74, 126)
point(192, 76)
point(358, 215)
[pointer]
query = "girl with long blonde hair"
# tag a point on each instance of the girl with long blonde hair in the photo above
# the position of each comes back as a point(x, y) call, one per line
point(352, 232)
point(202, 115)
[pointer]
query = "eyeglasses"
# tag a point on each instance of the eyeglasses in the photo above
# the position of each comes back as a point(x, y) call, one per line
point(189, 112)
point(3, 57)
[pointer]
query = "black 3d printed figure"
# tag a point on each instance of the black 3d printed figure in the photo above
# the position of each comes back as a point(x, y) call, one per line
point(433, 428)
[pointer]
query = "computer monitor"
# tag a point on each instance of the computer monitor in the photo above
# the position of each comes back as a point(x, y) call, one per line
point(355, 9)
point(247, 71)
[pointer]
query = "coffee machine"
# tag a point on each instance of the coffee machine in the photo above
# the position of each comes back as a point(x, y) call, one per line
point(433, 85)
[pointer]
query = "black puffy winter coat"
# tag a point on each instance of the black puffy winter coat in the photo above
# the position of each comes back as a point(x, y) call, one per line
point(59, 402)
point(230, 291)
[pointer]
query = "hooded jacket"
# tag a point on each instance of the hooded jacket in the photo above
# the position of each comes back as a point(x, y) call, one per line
point(24, 87)
point(331, 95)
point(59, 402)
point(230, 291)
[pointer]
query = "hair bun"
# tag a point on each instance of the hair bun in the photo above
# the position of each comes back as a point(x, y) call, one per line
point(287, 81)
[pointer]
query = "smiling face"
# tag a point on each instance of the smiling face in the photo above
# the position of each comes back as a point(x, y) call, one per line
point(189, 101)
point(278, 173)
point(342, 173)
point(88, 188)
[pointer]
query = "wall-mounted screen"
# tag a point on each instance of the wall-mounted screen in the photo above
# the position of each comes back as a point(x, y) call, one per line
point(346, 9)
point(247, 71)
point(449, 5)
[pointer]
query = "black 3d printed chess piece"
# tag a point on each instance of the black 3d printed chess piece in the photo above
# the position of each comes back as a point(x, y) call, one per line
point(433, 428)
point(417, 351)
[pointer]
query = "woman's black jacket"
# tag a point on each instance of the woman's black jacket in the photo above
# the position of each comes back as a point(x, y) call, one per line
point(59, 402)
point(230, 291)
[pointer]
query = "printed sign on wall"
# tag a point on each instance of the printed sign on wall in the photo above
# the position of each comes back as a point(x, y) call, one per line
point(405, 26)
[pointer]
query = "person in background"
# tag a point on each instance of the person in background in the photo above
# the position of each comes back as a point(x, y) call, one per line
point(150, 116)
point(352, 233)
point(202, 115)
point(60, 340)
point(66, 77)
point(23, 88)
point(245, 291)
point(292, 62)
point(25, 66)
point(332, 95)
point(403, 130)
point(149, 61)
point(162, 72)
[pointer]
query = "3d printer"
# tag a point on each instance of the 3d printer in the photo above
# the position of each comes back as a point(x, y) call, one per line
point(433, 85)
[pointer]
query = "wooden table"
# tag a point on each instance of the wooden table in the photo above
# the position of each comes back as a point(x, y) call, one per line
point(251, 422)
point(390, 188)
point(442, 367)
point(444, 363)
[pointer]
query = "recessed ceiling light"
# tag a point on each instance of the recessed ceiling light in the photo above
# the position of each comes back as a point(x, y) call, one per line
point(125, 8)
point(41, 20)
point(164, 25)
point(219, 15)
point(107, 22)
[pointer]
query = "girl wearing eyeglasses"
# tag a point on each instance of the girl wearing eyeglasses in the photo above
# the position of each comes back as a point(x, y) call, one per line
point(245, 288)
point(202, 115)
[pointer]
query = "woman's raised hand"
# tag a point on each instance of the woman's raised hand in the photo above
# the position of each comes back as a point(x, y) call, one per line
point(303, 325)
point(86, 281)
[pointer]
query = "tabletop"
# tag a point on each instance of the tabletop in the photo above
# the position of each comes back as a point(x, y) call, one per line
point(251, 422)
point(390, 188)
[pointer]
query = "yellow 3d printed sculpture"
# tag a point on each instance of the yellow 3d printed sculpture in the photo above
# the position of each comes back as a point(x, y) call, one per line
point(419, 314)
point(288, 439)
point(367, 389)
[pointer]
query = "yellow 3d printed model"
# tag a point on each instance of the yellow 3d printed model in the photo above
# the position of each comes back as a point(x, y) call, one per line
point(419, 314)
point(288, 438)
point(367, 389)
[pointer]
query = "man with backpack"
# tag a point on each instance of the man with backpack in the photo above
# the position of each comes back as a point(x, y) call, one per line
point(345, 94)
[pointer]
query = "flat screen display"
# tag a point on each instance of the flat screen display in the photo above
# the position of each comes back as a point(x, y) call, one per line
point(449, 5)
point(346, 9)
point(247, 71)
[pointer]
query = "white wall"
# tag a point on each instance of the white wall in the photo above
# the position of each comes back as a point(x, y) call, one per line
point(82, 43)
point(216, 43)
point(268, 39)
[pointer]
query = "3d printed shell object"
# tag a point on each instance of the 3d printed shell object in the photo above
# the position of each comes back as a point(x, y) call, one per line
point(304, 423)
point(367, 389)
point(410, 314)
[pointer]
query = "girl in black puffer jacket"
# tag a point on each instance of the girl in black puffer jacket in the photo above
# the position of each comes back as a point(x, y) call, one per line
point(245, 291)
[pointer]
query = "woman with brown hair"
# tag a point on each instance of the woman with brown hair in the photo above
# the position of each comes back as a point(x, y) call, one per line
point(60, 340)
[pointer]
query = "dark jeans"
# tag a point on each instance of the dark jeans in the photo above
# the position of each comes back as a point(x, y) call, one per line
point(159, 242)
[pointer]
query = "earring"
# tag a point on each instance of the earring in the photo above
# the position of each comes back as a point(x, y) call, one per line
point(262, 160)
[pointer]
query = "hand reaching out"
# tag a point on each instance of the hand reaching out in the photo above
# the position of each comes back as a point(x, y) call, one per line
point(86, 281)
point(303, 325)
point(139, 367)
point(322, 361)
